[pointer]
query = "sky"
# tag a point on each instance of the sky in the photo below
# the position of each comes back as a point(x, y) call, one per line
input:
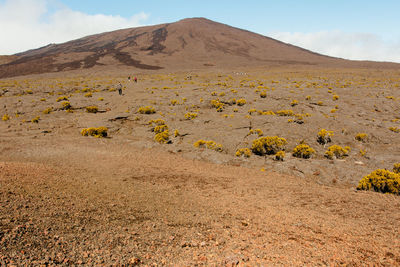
point(352, 29)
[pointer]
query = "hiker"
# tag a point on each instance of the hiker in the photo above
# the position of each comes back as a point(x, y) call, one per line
point(129, 78)
point(120, 89)
point(135, 80)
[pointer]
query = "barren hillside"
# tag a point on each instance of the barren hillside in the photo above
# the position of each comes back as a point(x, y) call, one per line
point(195, 43)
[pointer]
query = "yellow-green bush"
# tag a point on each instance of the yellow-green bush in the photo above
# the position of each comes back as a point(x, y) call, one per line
point(162, 137)
point(252, 110)
point(324, 136)
point(190, 116)
point(263, 94)
point(96, 132)
point(268, 145)
point(36, 119)
point(217, 104)
point(280, 155)
point(303, 151)
point(337, 151)
point(241, 102)
point(362, 137)
point(156, 122)
point(394, 129)
point(335, 97)
point(66, 105)
point(92, 109)
point(174, 102)
point(147, 110)
point(232, 101)
point(209, 144)
point(256, 131)
point(396, 168)
point(285, 112)
point(381, 181)
point(47, 110)
point(243, 152)
point(176, 133)
point(62, 98)
point(160, 128)
point(5, 117)
point(294, 103)
point(88, 94)
point(268, 112)
point(363, 152)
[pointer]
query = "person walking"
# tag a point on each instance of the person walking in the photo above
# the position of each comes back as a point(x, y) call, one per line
point(119, 89)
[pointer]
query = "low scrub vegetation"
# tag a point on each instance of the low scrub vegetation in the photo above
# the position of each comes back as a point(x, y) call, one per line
point(96, 132)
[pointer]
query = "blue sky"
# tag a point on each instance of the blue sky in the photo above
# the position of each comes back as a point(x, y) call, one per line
point(352, 29)
point(263, 15)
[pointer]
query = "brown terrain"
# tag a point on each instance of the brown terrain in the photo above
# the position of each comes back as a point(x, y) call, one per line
point(127, 199)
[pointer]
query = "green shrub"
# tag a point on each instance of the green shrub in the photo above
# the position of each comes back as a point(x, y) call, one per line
point(259, 132)
point(381, 181)
point(396, 168)
point(5, 117)
point(209, 144)
point(156, 122)
point(217, 104)
point(337, 151)
point(268, 145)
point(36, 119)
point(303, 151)
point(62, 98)
point(241, 102)
point(324, 136)
point(280, 155)
point(243, 152)
point(162, 137)
point(285, 112)
point(160, 128)
point(147, 110)
point(47, 110)
point(66, 105)
point(190, 116)
point(92, 109)
point(96, 132)
point(362, 137)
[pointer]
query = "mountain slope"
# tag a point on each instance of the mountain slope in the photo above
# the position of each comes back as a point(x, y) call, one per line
point(189, 43)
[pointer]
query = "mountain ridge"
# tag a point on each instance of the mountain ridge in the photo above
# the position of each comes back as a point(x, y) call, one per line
point(187, 43)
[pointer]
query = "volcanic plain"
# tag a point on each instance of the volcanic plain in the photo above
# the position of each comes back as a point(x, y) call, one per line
point(172, 174)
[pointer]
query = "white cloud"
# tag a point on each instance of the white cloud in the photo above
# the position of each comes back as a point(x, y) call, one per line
point(27, 24)
point(357, 46)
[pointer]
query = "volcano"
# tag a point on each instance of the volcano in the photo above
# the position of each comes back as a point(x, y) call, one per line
point(187, 44)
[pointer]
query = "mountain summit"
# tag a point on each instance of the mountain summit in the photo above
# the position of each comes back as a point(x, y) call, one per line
point(188, 43)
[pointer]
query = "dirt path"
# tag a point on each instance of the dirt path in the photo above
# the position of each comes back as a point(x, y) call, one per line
point(95, 201)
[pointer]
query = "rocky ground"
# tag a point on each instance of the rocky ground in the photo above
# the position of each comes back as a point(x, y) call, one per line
point(127, 200)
